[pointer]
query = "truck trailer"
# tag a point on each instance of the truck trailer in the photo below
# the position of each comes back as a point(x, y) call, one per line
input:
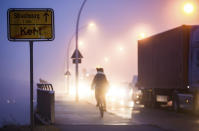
point(168, 68)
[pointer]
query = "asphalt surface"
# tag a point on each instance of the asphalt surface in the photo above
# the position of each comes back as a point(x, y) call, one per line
point(109, 128)
point(84, 116)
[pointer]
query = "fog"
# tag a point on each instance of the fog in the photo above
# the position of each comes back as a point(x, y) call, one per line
point(112, 44)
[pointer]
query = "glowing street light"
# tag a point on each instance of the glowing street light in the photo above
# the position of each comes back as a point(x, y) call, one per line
point(106, 59)
point(142, 35)
point(188, 8)
point(81, 43)
point(87, 74)
point(91, 24)
point(121, 48)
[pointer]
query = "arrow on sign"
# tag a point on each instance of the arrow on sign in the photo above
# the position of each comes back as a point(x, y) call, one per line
point(46, 15)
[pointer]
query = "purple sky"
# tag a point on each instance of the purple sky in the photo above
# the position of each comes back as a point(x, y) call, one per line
point(118, 22)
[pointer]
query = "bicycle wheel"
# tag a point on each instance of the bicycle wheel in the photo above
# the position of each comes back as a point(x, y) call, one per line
point(101, 108)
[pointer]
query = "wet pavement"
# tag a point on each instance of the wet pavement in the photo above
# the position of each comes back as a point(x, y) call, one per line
point(84, 115)
point(109, 128)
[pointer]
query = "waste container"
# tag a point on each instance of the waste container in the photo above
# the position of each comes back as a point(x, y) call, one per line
point(46, 103)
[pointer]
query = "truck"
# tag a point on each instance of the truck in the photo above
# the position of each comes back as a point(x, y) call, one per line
point(168, 68)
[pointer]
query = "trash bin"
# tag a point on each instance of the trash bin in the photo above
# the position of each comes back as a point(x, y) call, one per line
point(46, 103)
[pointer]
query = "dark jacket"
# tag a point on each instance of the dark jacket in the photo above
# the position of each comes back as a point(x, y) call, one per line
point(100, 82)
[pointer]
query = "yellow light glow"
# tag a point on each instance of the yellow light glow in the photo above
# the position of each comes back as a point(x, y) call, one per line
point(121, 48)
point(122, 109)
point(106, 59)
point(188, 8)
point(84, 90)
point(81, 43)
point(141, 31)
point(92, 26)
point(131, 104)
point(87, 74)
point(122, 103)
point(116, 92)
point(131, 92)
point(142, 35)
point(98, 66)
point(72, 91)
point(112, 108)
point(112, 99)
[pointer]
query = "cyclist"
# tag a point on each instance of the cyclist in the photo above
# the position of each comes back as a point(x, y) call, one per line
point(100, 84)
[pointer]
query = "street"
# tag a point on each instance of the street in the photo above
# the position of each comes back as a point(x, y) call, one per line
point(85, 116)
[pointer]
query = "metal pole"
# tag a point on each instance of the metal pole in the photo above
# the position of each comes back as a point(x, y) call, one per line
point(68, 84)
point(67, 70)
point(31, 86)
point(76, 54)
point(67, 62)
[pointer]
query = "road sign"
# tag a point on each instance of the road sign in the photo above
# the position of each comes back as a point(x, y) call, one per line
point(78, 60)
point(79, 55)
point(67, 73)
point(30, 24)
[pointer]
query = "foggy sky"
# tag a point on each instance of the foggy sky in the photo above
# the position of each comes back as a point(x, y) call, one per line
point(118, 24)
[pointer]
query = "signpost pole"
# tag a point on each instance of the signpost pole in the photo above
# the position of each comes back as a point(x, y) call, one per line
point(31, 86)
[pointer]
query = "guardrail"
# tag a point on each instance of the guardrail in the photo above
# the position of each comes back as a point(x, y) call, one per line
point(45, 103)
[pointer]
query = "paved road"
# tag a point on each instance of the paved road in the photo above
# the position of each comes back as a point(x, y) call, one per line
point(85, 116)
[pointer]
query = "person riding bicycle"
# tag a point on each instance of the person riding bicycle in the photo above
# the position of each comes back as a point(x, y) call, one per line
point(100, 84)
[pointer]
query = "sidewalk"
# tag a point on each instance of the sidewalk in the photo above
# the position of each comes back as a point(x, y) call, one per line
point(69, 112)
point(73, 116)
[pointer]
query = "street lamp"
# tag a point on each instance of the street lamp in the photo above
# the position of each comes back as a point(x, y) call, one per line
point(142, 35)
point(90, 25)
point(68, 74)
point(81, 43)
point(188, 8)
point(120, 48)
point(106, 59)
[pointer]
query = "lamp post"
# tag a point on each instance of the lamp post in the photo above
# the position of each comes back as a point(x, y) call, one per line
point(76, 54)
point(68, 74)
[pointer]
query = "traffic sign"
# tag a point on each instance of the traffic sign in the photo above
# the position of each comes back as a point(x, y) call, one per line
point(78, 61)
point(30, 24)
point(67, 73)
point(79, 56)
